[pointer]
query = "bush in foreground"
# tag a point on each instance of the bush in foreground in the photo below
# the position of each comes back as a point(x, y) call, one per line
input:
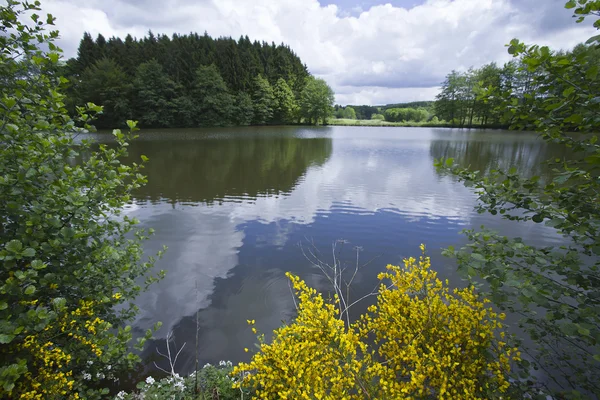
point(420, 340)
point(70, 261)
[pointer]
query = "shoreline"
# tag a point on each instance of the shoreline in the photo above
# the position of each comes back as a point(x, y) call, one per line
point(383, 124)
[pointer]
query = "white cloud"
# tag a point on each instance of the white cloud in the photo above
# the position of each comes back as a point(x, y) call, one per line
point(366, 56)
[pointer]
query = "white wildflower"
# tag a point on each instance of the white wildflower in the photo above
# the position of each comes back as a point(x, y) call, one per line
point(229, 364)
point(121, 395)
point(100, 375)
point(109, 367)
point(90, 362)
point(180, 385)
point(87, 376)
point(222, 363)
point(207, 365)
point(150, 380)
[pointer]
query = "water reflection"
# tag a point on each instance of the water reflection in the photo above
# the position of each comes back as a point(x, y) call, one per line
point(484, 150)
point(233, 207)
point(212, 169)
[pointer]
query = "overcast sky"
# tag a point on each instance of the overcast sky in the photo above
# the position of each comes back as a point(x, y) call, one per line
point(369, 51)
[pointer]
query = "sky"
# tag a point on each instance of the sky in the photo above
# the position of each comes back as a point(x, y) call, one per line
point(369, 51)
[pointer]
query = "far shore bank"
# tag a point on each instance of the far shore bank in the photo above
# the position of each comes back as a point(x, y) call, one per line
point(408, 124)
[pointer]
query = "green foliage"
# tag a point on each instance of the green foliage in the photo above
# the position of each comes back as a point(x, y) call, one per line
point(349, 113)
point(112, 63)
point(213, 103)
point(68, 256)
point(377, 122)
point(107, 84)
point(556, 290)
point(363, 112)
point(316, 101)
point(406, 114)
point(366, 112)
point(460, 102)
point(243, 109)
point(286, 108)
point(378, 117)
point(154, 95)
point(211, 382)
point(263, 100)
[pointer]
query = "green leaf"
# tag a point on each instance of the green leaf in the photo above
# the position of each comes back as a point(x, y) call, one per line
point(3, 305)
point(5, 339)
point(29, 252)
point(14, 246)
point(593, 159)
point(575, 119)
point(583, 331)
point(570, 4)
point(38, 264)
point(59, 303)
point(553, 223)
point(537, 218)
point(592, 72)
point(569, 328)
point(568, 91)
point(478, 257)
point(30, 290)
point(449, 162)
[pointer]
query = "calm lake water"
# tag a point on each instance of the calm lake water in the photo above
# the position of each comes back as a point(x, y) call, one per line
point(237, 206)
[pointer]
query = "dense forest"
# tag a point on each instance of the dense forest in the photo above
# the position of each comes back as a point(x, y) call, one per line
point(194, 80)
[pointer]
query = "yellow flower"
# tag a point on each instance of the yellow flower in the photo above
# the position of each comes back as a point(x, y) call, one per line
point(419, 340)
point(117, 296)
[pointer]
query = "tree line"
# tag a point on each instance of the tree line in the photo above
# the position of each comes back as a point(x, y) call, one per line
point(417, 111)
point(474, 97)
point(194, 80)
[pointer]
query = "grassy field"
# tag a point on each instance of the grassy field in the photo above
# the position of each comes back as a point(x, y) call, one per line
point(376, 122)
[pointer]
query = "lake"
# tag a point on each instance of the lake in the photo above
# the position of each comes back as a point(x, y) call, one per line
point(238, 207)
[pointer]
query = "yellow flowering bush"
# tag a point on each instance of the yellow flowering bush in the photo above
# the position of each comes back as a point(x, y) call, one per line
point(315, 346)
point(420, 340)
point(74, 350)
point(51, 353)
